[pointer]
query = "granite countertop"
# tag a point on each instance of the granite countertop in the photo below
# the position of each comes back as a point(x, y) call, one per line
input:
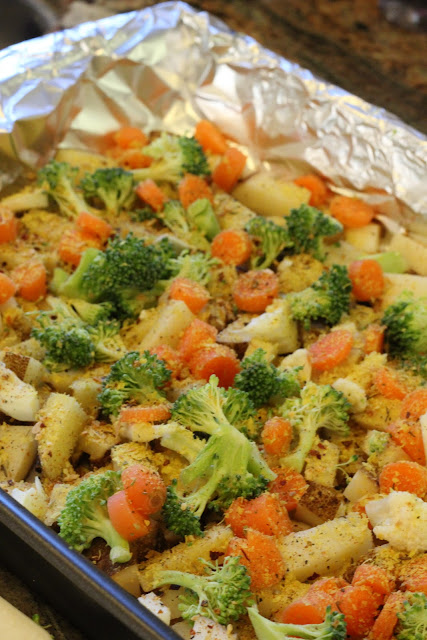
point(347, 42)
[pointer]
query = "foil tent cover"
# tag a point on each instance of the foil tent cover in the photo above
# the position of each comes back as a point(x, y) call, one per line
point(167, 66)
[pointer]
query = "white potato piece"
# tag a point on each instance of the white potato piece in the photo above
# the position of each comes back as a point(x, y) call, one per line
point(321, 463)
point(18, 399)
point(231, 213)
point(341, 253)
point(61, 422)
point(27, 369)
point(168, 325)
point(18, 450)
point(269, 196)
point(153, 603)
point(366, 239)
point(353, 392)
point(326, 548)
point(206, 629)
point(32, 498)
point(413, 252)
point(362, 484)
point(14, 625)
point(298, 358)
point(398, 283)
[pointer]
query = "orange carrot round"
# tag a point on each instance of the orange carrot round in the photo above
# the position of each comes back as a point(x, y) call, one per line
point(139, 414)
point(30, 279)
point(196, 336)
point(317, 188)
point(331, 350)
point(94, 224)
point(7, 288)
point(192, 188)
point(232, 246)
point(414, 405)
point(170, 357)
point(128, 137)
point(74, 242)
point(351, 212)
point(388, 384)
point(126, 520)
point(375, 578)
point(264, 513)
point(228, 171)
point(413, 574)
point(8, 225)
point(374, 338)
point(408, 435)
point(135, 159)
point(367, 279)
point(194, 294)
point(277, 436)
point(387, 620)
point(359, 606)
point(150, 193)
point(404, 475)
point(215, 360)
point(255, 290)
point(310, 609)
point(210, 137)
point(144, 488)
point(328, 585)
point(289, 485)
point(261, 556)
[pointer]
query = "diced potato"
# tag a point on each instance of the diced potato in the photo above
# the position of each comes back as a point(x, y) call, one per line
point(413, 252)
point(123, 455)
point(15, 625)
point(18, 399)
point(28, 369)
point(85, 391)
point(327, 548)
point(298, 272)
point(18, 451)
point(61, 422)
point(231, 213)
point(362, 484)
point(128, 579)
point(298, 358)
point(321, 463)
point(168, 325)
point(269, 196)
point(97, 439)
point(274, 599)
point(379, 413)
point(397, 283)
point(341, 253)
point(185, 556)
point(392, 453)
point(318, 504)
point(366, 239)
point(57, 499)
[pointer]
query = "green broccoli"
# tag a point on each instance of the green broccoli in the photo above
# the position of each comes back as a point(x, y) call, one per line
point(173, 157)
point(376, 441)
point(307, 228)
point(406, 331)
point(263, 382)
point(319, 407)
point(58, 181)
point(176, 219)
point(413, 619)
point(113, 186)
point(221, 595)
point(271, 239)
point(201, 214)
point(85, 515)
point(179, 517)
point(136, 377)
point(390, 261)
point(240, 411)
point(333, 628)
point(327, 299)
point(228, 466)
point(194, 266)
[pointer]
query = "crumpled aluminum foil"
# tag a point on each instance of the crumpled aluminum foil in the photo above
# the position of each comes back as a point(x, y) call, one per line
point(167, 66)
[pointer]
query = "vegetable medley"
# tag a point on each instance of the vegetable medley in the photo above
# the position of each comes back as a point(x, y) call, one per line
point(214, 388)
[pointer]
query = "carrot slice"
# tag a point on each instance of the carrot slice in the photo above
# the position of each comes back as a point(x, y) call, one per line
point(328, 585)
point(289, 485)
point(144, 489)
point(229, 170)
point(404, 475)
point(126, 520)
point(387, 620)
point(264, 513)
point(367, 279)
point(374, 338)
point(373, 577)
point(261, 556)
point(127, 137)
point(150, 193)
point(192, 188)
point(310, 609)
point(194, 294)
point(210, 137)
point(359, 606)
point(170, 357)
point(215, 360)
point(277, 435)
point(408, 435)
point(255, 290)
point(152, 413)
point(388, 384)
point(30, 279)
point(414, 405)
point(413, 574)
point(331, 350)
point(74, 242)
point(317, 188)
point(135, 159)
point(232, 246)
point(351, 212)
point(94, 224)
point(7, 288)
point(8, 225)
point(196, 336)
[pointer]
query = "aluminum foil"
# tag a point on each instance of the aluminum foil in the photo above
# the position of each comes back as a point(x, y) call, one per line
point(167, 66)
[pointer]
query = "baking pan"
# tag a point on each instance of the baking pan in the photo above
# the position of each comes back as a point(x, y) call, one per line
point(93, 602)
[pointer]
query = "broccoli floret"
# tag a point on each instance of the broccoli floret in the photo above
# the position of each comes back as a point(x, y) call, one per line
point(194, 266)
point(143, 213)
point(333, 628)
point(327, 299)
point(107, 342)
point(85, 515)
point(201, 214)
point(271, 239)
point(307, 228)
point(58, 180)
point(173, 157)
point(221, 595)
point(228, 466)
point(67, 347)
point(376, 442)
point(136, 377)
point(319, 407)
point(263, 382)
point(113, 186)
point(176, 219)
point(406, 331)
point(240, 411)
point(390, 261)
point(71, 286)
point(413, 618)
point(179, 517)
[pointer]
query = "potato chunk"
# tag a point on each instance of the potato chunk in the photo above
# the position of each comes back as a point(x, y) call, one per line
point(17, 451)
